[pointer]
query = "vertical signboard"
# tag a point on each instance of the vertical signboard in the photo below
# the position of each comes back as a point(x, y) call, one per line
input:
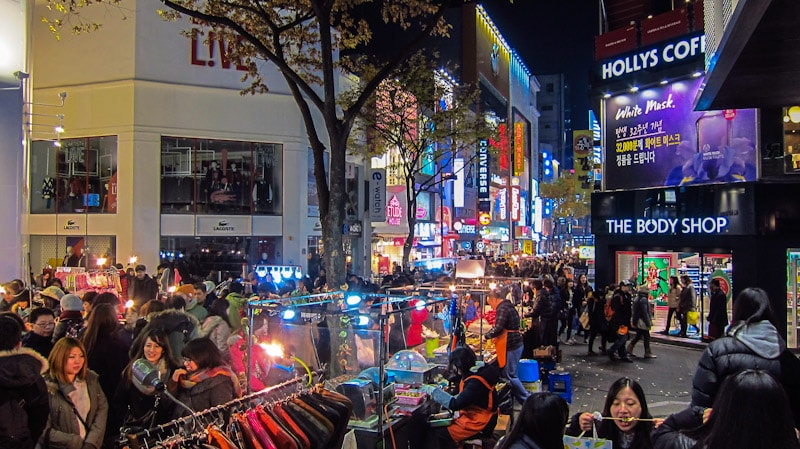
point(519, 148)
point(377, 194)
point(483, 173)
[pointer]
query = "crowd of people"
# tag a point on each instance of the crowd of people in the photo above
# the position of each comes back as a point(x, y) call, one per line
point(67, 361)
point(745, 394)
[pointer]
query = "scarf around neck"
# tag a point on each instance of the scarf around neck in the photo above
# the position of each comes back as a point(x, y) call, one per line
point(200, 375)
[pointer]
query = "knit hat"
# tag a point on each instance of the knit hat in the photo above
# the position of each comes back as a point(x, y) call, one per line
point(186, 289)
point(209, 286)
point(54, 292)
point(71, 302)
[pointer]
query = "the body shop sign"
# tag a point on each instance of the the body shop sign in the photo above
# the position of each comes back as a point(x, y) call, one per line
point(653, 138)
point(667, 226)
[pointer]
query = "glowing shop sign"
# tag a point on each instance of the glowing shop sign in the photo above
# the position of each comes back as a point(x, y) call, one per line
point(394, 212)
point(703, 225)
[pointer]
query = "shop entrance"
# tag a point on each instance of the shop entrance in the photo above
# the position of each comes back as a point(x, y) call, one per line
point(655, 268)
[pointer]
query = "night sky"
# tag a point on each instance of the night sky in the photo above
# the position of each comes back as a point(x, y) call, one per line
point(553, 36)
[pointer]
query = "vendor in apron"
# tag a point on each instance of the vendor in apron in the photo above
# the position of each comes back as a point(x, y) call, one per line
point(475, 404)
point(507, 342)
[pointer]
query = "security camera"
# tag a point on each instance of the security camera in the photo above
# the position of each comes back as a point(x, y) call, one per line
point(21, 75)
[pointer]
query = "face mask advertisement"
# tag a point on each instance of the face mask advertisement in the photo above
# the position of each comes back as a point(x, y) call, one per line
point(653, 138)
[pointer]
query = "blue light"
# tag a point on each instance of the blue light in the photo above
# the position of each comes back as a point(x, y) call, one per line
point(362, 320)
point(288, 314)
point(352, 300)
point(547, 171)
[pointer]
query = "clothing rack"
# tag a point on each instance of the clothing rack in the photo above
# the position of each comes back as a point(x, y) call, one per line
point(145, 438)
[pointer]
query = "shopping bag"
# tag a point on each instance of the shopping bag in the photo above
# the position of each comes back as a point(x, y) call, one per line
point(584, 320)
point(585, 442)
point(692, 317)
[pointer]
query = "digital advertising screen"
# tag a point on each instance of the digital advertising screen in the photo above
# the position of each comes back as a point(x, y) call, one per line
point(653, 138)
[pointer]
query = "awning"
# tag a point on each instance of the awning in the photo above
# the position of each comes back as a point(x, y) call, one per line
point(757, 63)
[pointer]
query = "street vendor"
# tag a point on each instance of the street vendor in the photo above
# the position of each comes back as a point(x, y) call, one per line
point(507, 342)
point(475, 402)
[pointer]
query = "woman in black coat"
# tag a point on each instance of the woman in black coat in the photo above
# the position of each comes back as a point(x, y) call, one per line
point(595, 306)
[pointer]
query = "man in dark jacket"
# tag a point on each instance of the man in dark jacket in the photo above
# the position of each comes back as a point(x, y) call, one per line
point(506, 326)
point(545, 310)
point(618, 326)
point(24, 403)
point(142, 288)
point(42, 323)
point(717, 311)
point(642, 321)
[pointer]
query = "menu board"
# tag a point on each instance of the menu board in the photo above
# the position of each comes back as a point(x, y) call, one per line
point(653, 138)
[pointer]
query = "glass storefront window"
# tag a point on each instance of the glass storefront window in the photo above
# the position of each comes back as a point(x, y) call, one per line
point(220, 257)
point(202, 176)
point(72, 251)
point(654, 269)
point(80, 176)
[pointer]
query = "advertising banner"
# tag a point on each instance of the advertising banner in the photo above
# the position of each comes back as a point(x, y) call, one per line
point(653, 138)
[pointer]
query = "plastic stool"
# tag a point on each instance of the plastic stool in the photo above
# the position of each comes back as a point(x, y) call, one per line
point(560, 383)
point(528, 370)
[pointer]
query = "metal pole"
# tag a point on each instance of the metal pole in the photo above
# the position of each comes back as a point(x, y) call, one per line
point(249, 367)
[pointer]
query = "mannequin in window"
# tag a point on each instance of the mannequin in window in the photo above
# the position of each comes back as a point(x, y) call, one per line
point(262, 195)
point(75, 195)
point(235, 178)
point(213, 174)
point(48, 190)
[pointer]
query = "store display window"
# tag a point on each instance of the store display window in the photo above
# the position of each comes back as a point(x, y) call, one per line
point(88, 252)
point(654, 268)
point(74, 176)
point(220, 177)
point(221, 256)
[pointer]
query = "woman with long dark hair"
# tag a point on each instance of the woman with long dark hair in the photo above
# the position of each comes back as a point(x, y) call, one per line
point(766, 422)
point(752, 341)
point(205, 379)
point(137, 405)
point(626, 420)
point(540, 424)
point(106, 352)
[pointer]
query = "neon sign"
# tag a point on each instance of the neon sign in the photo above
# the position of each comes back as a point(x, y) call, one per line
point(650, 226)
point(394, 212)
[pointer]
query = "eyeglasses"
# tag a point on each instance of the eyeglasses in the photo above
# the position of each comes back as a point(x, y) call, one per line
point(46, 324)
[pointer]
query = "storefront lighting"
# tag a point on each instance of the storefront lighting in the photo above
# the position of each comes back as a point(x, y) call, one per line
point(288, 314)
point(59, 129)
point(786, 119)
point(452, 288)
point(664, 82)
point(57, 143)
point(361, 321)
point(420, 305)
point(492, 285)
point(794, 114)
point(129, 303)
point(272, 349)
point(171, 289)
point(634, 89)
point(101, 261)
point(132, 260)
point(697, 74)
point(607, 95)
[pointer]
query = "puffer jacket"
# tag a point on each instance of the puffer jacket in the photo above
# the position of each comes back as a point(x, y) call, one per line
point(179, 326)
point(670, 434)
point(25, 405)
point(62, 431)
point(753, 346)
point(217, 330)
